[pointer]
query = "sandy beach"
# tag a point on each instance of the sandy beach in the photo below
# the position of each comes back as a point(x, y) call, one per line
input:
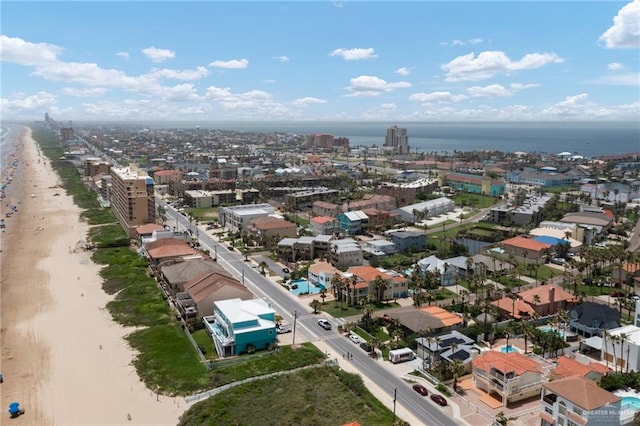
point(63, 358)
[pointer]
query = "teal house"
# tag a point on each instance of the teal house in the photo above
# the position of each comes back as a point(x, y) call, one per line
point(239, 326)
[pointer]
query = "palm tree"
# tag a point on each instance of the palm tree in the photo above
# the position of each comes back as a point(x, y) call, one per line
point(315, 304)
point(323, 294)
point(457, 369)
point(623, 338)
point(380, 285)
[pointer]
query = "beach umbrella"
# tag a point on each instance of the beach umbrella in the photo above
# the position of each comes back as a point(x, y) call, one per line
point(14, 408)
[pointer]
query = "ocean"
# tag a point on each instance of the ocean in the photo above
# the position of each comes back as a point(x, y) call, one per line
point(589, 139)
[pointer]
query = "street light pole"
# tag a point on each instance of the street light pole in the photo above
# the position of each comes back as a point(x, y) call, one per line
point(395, 393)
point(295, 320)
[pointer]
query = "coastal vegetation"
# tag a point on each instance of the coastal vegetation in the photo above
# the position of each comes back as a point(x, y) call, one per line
point(317, 396)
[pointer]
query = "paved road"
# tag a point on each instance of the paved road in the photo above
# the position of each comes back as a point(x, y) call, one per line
point(306, 324)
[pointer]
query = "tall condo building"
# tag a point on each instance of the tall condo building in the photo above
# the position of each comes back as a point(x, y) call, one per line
point(132, 199)
point(397, 140)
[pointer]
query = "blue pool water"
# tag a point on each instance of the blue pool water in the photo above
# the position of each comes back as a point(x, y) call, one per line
point(551, 329)
point(508, 349)
point(304, 286)
point(631, 402)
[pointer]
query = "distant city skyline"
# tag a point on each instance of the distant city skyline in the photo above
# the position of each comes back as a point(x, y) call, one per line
point(308, 61)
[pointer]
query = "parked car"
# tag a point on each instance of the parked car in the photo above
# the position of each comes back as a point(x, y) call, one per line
point(439, 399)
point(366, 347)
point(420, 389)
point(286, 270)
point(616, 294)
point(558, 261)
point(324, 324)
point(355, 338)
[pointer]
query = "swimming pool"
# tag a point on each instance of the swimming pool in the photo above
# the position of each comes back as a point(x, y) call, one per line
point(562, 333)
point(508, 349)
point(632, 402)
point(303, 285)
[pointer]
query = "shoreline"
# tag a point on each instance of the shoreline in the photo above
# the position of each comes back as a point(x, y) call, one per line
point(63, 357)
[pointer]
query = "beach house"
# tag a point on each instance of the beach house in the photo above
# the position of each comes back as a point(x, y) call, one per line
point(238, 326)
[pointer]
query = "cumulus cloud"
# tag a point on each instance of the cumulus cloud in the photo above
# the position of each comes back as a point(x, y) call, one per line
point(366, 85)
point(354, 54)
point(437, 97)
point(231, 64)
point(404, 71)
point(20, 104)
point(158, 55)
point(497, 90)
point(308, 101)
point(123, 55)
point(490, 63)
point(615, 66)
point(84, 93)
point(251, 104)
point(281, 58)
point(18, 51)
point(625, 31)
point(186, 75)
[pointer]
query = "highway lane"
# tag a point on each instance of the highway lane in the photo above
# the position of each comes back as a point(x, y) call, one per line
point(306, 323)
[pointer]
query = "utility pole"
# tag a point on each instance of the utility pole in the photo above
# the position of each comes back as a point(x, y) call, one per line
point(295, 320)
point(242, 276)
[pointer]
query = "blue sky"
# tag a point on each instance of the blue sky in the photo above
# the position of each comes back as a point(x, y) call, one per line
point(303, 60)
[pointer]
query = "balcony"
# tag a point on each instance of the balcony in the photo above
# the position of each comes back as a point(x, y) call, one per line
point(550, 398)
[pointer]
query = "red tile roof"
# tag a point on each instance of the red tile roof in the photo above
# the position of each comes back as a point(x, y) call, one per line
point(506, 362)
point(544, 293)
point(567, 367)
point(526, 243)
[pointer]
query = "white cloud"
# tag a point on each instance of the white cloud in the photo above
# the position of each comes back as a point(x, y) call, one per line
point(404, 71)
point(491, 91)
point(186, 75)
point(308, 101)
point(123, 55)
point(458, 42)
point(354, 54)
point(625, 31)
point(251, 104)
point(180, 93)
point(437, 97)
point(620, 79)
point(497, 90)
point(366, 85)
point(158, 55)
point(282, 58)
point(84, 93)
point(22, 52)
point(20, 104)
point(615, 66)
point(490, 63)
point(231, 64)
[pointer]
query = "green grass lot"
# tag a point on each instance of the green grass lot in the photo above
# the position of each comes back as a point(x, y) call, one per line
point(321, 396)
point(477, 201)
point(204, 214)
point(264, 362)
point(204, 341)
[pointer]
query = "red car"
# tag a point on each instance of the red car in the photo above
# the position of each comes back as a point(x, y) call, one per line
point(439, 399)
point(616, 294)
point(420, 389)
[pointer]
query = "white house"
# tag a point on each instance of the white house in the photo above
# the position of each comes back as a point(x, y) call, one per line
point(621, 346)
